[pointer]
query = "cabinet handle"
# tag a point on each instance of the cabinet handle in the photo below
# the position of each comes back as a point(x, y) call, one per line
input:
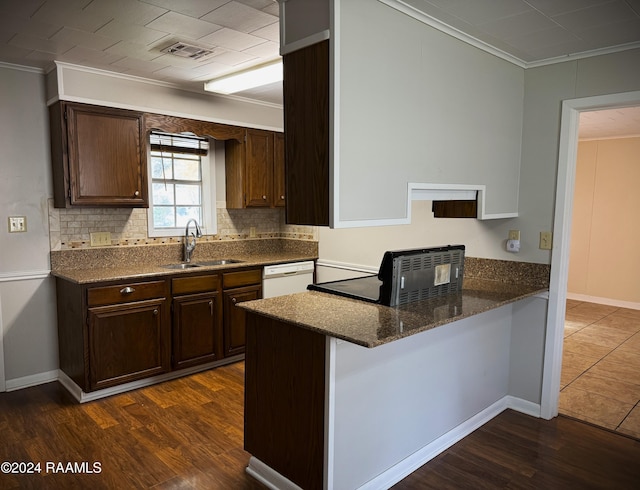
point(127, 290)
point(282, 197)
point(155, 312)
point(233, 300)
point(211, 307)
point(264, 198)
point(136, 193)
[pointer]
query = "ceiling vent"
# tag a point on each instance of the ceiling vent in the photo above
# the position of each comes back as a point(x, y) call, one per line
point(185, 50)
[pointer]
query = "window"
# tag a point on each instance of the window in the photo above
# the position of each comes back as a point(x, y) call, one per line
point(180, 184)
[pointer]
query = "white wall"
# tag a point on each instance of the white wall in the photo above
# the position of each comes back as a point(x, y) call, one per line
point(545, 88)
point(417, 105)
point(27, 294)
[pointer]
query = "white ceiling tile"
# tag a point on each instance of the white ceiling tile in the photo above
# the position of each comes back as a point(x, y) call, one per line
point(257, 4)
point(183, 25)
point(581, 20)
point(481, 11)
point(267, 49)
point(19, 8)
point(192, 8)
point(240, 17)
point(555, 7)
point(611, 34)
point(84, 38)
point(233, 58)
point(518, 25)
point(548, 37)
point(230, 39)
point(132, 12)
point(14, 24)
point(138, 65)
point(209, 71)
point(270, 32)
point(82, 54)
point(38, 44)
point(70, 13)
point(134, 50)
point(132, 33)
point(273, 9)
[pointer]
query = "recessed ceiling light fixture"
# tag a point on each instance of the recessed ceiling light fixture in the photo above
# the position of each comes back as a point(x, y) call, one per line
point(253, 77)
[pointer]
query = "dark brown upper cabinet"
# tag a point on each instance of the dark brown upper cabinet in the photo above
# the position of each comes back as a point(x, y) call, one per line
point(254, 169)
point(306, 126)
point(99, 156)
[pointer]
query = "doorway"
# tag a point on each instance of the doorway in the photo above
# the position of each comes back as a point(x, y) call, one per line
point(571, 110)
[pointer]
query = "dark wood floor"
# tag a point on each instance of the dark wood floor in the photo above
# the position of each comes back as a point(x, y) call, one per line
point(187, 434)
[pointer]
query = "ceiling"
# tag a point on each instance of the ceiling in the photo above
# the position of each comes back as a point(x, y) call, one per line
point(128, 36)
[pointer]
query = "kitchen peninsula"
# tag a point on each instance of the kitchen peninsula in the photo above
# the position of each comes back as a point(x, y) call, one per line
point(340, 393)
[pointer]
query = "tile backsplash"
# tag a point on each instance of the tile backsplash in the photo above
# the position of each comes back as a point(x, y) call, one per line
point(71, 228)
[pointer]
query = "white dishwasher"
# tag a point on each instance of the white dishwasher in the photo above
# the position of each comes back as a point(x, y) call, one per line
point(281, 279)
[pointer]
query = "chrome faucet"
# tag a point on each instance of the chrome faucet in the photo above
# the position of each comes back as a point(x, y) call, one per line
point(190, 240)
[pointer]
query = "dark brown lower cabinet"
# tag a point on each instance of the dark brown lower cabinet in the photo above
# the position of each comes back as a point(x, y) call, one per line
point(127, 342)
point(238, 287)
point(235, 318)
point(196, 330)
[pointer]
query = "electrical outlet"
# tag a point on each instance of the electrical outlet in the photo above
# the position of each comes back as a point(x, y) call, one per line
point(100, 239)
point(545, 240)
point(514, 235)
point(252, 232)
point(17, 224)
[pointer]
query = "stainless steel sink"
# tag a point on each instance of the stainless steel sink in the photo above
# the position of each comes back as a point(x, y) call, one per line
point(219, 262)
point(181, 266)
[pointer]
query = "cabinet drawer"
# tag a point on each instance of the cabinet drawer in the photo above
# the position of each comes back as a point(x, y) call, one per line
point(195, 284)
point(242, 278)
point(125, 293)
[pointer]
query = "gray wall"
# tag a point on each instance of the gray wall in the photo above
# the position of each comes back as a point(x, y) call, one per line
point(27, 294)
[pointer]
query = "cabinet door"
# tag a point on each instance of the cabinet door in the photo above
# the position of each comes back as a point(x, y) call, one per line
point(127, 342)
point(197, 337)
point(107, 156)
point(235, 318)
point(278, 170)
point(259, 168)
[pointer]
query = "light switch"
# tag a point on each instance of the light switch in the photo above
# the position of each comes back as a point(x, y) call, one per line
point(545, 240)
point(17, 224)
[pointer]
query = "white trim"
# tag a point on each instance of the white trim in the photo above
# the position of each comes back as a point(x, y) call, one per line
point(24, 275)
point(334, 113)
point(304, 42)
point(562, 234)
point(425, 18)
point(423, 191)
point(32, 380)
point(269, 477)
point(604, 301)
point(83, 397)
point(30, 69)
point(275, 481)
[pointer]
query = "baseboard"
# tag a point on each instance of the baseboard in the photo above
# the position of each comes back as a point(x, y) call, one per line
point(84, 397)
point(604, 301)
point(32, 380)
point(268, 476)
point(275, 481)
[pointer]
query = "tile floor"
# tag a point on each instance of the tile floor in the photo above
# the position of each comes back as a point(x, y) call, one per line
point(600, 381)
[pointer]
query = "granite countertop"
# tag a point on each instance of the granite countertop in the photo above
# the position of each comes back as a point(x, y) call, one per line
point(149, 270)
point(371, 325)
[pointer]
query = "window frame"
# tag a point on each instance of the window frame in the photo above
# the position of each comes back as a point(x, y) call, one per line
point(207, 192)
